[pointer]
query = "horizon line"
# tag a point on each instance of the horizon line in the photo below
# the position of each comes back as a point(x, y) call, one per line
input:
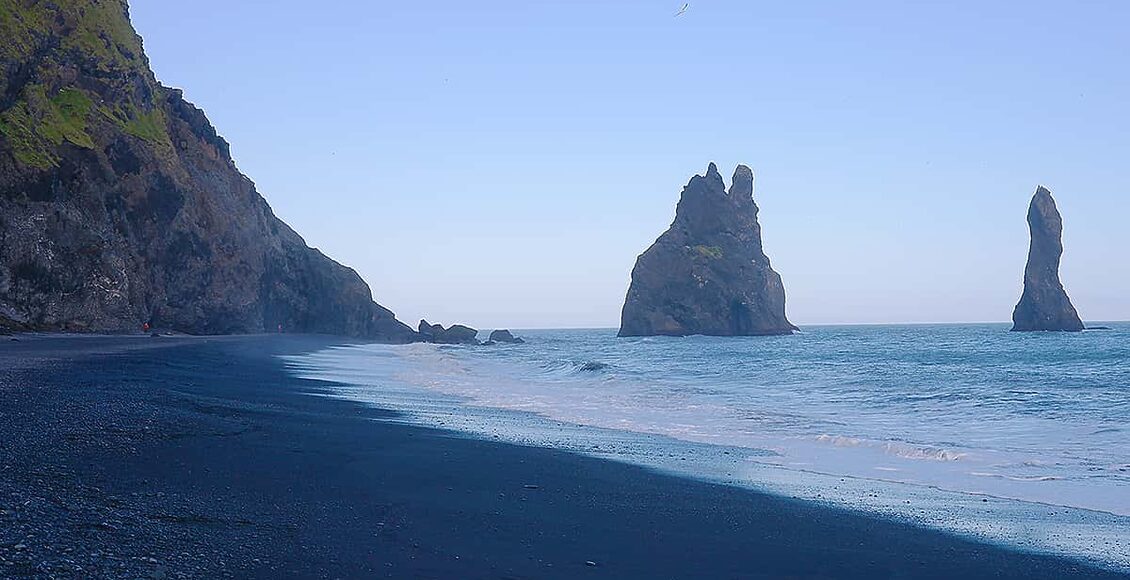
point(813, 324)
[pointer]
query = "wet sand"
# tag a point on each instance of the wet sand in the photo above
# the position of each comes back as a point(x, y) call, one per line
point(202, 458)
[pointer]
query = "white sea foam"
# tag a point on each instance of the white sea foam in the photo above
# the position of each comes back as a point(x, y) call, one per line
point(974, 460)
point(1016, 478)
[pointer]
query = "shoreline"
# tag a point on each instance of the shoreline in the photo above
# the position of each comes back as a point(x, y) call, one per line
point(204, 457)
point(381, 377)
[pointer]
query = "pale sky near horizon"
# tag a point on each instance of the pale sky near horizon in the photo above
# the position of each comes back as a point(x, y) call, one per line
point(502, 164)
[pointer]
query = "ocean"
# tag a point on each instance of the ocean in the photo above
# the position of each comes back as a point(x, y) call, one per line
point(1014, 438)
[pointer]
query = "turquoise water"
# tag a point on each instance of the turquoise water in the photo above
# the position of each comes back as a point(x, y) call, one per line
point(925, 422)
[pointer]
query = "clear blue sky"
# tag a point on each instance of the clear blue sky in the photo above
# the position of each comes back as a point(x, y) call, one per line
point(503, 163)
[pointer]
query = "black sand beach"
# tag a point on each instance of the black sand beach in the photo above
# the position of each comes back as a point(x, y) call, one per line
point(202, 458)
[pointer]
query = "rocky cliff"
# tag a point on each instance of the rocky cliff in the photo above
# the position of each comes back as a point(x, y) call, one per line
point(1044, 304)
point(708, 274)
point(120, 205)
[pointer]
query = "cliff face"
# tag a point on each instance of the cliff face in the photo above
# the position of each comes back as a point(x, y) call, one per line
point(1044, 304)
point(708, 274)
point(120, 205)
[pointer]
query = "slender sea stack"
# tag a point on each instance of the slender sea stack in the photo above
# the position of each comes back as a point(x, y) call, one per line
point(708, 274)
point(121, 207)
point(1044, 304)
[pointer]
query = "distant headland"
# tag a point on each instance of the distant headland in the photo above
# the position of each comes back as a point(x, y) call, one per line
point(121, 207)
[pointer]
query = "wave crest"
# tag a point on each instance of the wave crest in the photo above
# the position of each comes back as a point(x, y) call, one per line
point(903, 450)
point(571, 367)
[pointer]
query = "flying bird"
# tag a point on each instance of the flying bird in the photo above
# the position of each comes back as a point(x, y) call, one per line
point(683, 10)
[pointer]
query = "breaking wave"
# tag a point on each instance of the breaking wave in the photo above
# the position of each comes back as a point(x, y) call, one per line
point(570, 367)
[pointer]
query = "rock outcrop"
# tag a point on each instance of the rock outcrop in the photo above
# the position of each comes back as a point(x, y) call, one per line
point(454, 334)
point(1044, 304)
point(120, 204)
point(708, 274)
point(504, 336)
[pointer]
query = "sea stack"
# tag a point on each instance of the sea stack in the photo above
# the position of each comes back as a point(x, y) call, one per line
point(1044, 304)
point(708, 273)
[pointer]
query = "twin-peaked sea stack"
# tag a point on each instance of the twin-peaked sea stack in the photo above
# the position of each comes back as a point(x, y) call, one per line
point(1044, 306)
point(708, 273)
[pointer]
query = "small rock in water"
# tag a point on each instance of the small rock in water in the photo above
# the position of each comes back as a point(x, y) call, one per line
point(503, 335)
point(455, 334)
point(590, 563)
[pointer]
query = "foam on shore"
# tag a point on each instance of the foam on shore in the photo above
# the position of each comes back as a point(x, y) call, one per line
point(1001, 497)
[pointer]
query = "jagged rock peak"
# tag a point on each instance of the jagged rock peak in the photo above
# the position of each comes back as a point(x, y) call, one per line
point(1044, 305)
point(708, 273)
point(741, 186)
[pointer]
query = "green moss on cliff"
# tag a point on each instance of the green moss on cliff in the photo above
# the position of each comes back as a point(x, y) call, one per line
point(151, 126)
point(103, 32)
point(92, 37)
point(67, 118)
point(99, 30)
point(712, 252)
point(38, 124)
point(18, 128)
point(18, 25)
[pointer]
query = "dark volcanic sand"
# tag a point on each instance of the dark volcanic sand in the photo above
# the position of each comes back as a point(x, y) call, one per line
point(188, 457)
